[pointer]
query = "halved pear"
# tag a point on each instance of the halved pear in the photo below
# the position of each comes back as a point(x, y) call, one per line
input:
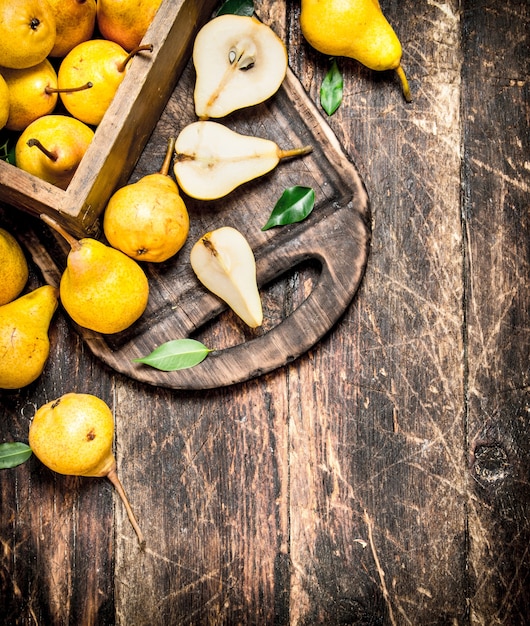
point(224, 263)
point(211, 160)
point(239, 62)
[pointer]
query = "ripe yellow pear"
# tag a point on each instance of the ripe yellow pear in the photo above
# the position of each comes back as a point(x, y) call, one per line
point(101, 66)
point(126, 21)
point(32, 93)
point(4, 102)
point(27, 32)
point(148, 220)
point(356, 29)
point(13, 267)
point(75, 22)
point(101, 288)
point(52, 147)
point(73, 435)
point(24, 341)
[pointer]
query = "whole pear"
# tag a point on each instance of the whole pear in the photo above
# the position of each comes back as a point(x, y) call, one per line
point(4, 102)
point(73, 435)
point(32, 93)
point(356, 29)
point(101, 289)
point(75, 22)
point(27, 32)
point(52, 147)
point(24, 341)
point(148, 220)
point(13, 267)
point(99, 64)
point(126, 21)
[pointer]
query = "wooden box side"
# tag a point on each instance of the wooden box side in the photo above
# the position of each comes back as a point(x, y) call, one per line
point(122, 134)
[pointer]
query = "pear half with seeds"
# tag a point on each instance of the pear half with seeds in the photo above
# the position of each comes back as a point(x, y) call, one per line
point(239, 62)
point(224, 263)
point(211, 160)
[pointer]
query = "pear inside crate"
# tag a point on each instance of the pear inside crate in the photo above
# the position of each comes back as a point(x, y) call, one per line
point(124, 130)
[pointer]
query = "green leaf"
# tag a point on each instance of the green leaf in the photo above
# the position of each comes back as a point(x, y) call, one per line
point(294, 205)
point(13, 454)
point(237, 7)
point(331, 89)
point(7, 146)
point(177, 354)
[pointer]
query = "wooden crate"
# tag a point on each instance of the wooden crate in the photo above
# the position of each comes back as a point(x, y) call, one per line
point(122, 134)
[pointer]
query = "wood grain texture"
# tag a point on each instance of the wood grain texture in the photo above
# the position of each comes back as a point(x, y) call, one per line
point(382, 477)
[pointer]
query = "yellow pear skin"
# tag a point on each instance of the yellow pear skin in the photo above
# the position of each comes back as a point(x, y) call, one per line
point(73, 435)
point(356, 29)
point(101, 289)
point(14, 269)
point(24, 341)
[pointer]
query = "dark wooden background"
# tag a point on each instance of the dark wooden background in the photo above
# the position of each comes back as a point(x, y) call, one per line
point(383, 477)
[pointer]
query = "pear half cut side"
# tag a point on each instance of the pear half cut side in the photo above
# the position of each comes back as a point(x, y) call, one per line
point(224, 263)
point(211, 160)
point(239, 62)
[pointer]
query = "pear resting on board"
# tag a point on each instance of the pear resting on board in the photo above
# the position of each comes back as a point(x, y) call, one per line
point(356, 29)
point(73, 435)
point(148, 220)
point(211, 160)
point(14, 270)
point(239, 62)
point(24, 341)
point(224, 263)
point(101, 289)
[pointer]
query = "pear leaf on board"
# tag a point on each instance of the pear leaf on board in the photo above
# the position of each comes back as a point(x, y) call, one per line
point(177, 354)
point(237, 7)
point(14, 453)
point(294, 205)
point(332, 89)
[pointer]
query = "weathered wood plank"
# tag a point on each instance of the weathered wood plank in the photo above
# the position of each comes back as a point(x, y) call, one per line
point(57, 531)
point(385, 438)
point(497, 252)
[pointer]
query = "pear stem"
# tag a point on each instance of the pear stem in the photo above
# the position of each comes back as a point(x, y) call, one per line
point(295, 152)
point(50, 90)
point(35, 142)
point(404, 83)
point(72, 241)
point(164, 170)
point(113, 477)
point(132, 53)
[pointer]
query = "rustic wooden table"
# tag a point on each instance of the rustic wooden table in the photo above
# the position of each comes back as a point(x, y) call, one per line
point(381, 478)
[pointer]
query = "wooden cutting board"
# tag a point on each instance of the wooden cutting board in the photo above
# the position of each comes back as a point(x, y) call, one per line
point(333, 241)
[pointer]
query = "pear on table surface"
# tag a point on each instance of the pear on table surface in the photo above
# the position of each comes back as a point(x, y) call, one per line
point(24, 341)
point(73, 435)
point(148, 220)
point(14, 269)
point(356, 29)
point(52, 148)
point(239, 62)
point(27, 32)
point(101, 289)
point(224, 263)
point(4, 102)
point(126, 21)
point(99, 64)
point(211, 160)
point(75, 21)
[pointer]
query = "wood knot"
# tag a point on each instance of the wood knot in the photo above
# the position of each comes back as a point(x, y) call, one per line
point(490, 463)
